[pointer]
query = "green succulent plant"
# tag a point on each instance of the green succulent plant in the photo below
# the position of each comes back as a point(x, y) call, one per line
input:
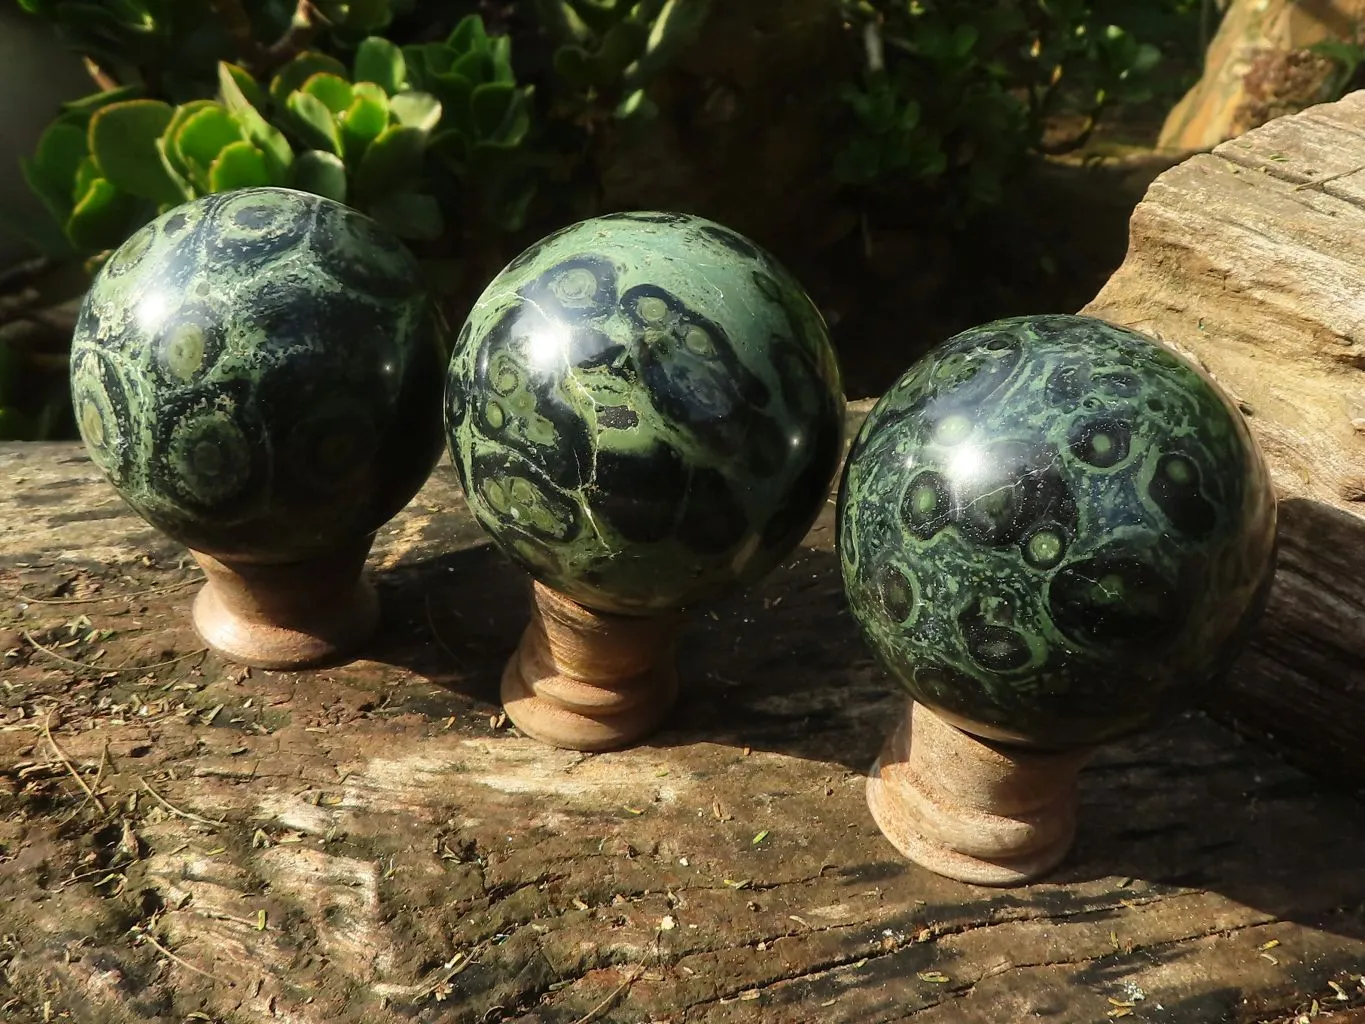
point(380, 136)
point(960, 92)
point(610, 51)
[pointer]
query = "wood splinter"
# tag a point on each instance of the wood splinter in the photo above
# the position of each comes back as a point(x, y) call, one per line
point(586, 680)
point(975, 811)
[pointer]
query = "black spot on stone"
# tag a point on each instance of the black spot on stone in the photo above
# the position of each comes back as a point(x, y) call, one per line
point(1102, 443)
point(456, 404)
point(1115, 602)
point(617, 417)
point(1066, 385)
point(1176, 490)
point(732, 241)
point(639, 493)
point(1015, 487)
point(897, 596)
point(574, 290)
point(289, 321)
point(175, 223)
point(768, 287)
point(994, 647)
point(926, 506)
point(1125, 385)
point(941, 686)
point(713, 521)
point(712, 392)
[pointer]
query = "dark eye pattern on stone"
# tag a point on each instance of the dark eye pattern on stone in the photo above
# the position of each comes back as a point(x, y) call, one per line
point(925, 508)
point(1101, 443)
point(1176, 489)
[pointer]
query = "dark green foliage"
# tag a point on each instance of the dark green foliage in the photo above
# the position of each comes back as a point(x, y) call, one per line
point(963, 90)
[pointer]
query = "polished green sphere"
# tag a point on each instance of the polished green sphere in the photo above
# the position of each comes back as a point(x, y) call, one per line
point(1055, 531)
point(645, 411)
point(258, 374)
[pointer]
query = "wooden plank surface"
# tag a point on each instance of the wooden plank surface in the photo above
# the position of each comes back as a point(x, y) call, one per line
point(371, 844)
point(1252, 259)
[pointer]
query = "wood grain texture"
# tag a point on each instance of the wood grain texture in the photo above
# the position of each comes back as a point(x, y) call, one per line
point(1252, 260)
point(372, 844)
point(1260, 66)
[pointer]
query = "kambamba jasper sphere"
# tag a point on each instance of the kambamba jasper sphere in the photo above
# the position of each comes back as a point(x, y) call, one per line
point(645, 411)
point(1055, 531)
point(258, 373)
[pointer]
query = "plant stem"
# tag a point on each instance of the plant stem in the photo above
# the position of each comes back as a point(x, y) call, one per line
point(99, 75)
point(302, 28)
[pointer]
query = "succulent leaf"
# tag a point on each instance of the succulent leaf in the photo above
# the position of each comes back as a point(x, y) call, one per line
point(240, 165)
point(123, 142)
point(416, 109)
point(321, 173)
point(314, 122)
point(379, 61)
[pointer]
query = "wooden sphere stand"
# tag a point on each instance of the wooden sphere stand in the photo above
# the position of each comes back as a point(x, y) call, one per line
point(587, 680)
point(975, 811)
point(289, 615)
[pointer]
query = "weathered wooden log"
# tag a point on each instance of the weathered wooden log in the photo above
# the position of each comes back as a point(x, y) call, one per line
point(373, 844)
point(1252, 259)
point(1261, 65)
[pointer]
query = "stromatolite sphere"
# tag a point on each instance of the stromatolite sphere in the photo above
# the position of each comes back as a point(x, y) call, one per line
point(258, 373)
point(1055, 531)
point(645, 411)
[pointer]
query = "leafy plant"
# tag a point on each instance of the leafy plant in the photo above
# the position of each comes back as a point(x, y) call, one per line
point(608, 52)
point(364, 135)
point(962, 91)
point(173, 47)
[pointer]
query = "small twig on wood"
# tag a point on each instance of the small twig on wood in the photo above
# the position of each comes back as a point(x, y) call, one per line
point(144, 934)
point(105, 670)
point(1331, 177)
point(607, 1003)
point(53, 654)
point(174, 809)
point(61, 754)
point(152, 592)
point(94, 786)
